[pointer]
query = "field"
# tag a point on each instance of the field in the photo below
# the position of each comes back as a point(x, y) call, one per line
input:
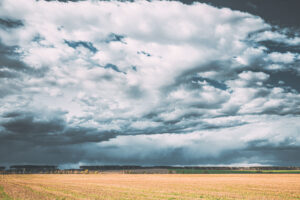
point(150, 186)
point(201, 171)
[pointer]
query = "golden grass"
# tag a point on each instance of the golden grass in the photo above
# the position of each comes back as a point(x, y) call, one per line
point(151, 186)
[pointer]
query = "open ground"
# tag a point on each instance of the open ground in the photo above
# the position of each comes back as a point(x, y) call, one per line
point(150, 186)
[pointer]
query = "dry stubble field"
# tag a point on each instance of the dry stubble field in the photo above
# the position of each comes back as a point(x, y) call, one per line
point(150, 186)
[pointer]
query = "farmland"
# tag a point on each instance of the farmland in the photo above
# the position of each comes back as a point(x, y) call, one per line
point(201, 171)
point(150, 186)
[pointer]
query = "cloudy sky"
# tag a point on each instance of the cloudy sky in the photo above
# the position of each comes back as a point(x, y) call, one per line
point(214, 82)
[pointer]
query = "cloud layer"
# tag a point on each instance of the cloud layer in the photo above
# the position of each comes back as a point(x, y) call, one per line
point(145, 83)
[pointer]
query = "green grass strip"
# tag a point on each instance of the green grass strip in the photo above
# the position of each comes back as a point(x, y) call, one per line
point(200, 171)
point(3, 195)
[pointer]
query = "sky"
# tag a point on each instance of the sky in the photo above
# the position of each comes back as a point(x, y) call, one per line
point(213, 82)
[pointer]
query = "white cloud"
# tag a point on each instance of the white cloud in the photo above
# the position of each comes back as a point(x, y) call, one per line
point(278, 37)
point(282, 57)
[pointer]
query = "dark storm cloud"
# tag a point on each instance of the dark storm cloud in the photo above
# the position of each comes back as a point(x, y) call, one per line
point(21, 123)
point(267, 155)
point(46, 138)
point(90, 153)
point(51, 129)
point(38, 154)
point(26, 153)
point(285, 153)
point(171, 156)
point(47, 129)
